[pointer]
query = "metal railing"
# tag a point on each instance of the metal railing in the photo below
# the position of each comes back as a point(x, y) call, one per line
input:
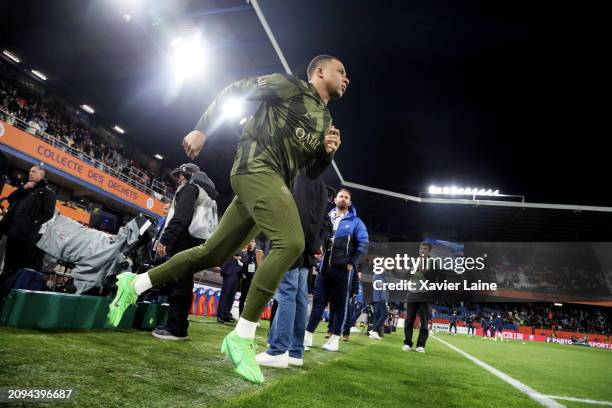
point(159, 191)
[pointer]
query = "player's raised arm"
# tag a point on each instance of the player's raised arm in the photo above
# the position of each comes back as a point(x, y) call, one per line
point(267, 87)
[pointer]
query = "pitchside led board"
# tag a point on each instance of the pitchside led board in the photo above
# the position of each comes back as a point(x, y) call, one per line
point(491, 271)
point(23, 143)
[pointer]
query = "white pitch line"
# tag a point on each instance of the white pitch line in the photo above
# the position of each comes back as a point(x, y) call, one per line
point(586, 401)
point(545, 400)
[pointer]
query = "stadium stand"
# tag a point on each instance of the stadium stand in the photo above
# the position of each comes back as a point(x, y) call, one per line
point(29, 107)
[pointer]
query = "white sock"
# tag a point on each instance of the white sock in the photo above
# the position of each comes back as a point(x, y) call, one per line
point(246, 329)
point(142, 283)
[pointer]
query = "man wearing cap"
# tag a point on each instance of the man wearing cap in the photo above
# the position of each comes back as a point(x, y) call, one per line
point(175, 237)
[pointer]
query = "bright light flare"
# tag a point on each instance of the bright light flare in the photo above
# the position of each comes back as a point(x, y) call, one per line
point(188, 56)
point(233, 108)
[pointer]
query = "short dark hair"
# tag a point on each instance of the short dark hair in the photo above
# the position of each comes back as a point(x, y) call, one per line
point(317, 61)
point(427, 244)
point(39, 166)
point(345, 190)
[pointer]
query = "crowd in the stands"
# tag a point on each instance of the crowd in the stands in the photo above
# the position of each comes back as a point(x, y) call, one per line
point(49, 118)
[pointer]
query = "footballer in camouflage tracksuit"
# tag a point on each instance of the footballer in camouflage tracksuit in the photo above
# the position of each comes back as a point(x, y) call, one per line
point(286, 134)
point(290, 131)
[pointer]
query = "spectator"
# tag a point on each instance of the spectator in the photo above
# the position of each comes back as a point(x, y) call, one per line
point(452, 320)
point(336, 283)
point(175, 238)
point(422, 309)
point(469, 322)
point(230, 271)
point(249, 268)
point(286, 336)
point(380, 298)
point(30, 206)
point(499, 327)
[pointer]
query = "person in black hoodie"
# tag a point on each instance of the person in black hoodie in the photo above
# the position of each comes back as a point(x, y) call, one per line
point(286, 336)
point(175, 237)
point(31, 205)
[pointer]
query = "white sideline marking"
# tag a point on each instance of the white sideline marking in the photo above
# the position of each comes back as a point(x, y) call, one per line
point(586, 401)
point(545, 400)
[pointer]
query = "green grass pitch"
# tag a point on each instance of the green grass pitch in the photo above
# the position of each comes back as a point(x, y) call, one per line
point(133, 369)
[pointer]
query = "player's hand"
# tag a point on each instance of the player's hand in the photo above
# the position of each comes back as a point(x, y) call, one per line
point(193, 143)
point(349, 267)
point(332, 140)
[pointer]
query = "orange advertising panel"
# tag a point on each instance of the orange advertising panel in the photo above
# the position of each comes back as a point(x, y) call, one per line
point(57, 158)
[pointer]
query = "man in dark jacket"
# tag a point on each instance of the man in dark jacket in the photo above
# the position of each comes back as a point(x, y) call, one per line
point(484, 325)
point(286, 336)
point(452, 323)
point(469, 322)
point(31, 205)
point(230, 271)
point(379, 302)
point(498, 323)
point(349, 244)
point(421, 309)
point(251, 259)
point(175, 237)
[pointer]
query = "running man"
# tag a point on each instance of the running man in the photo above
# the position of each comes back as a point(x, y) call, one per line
point(291, 130)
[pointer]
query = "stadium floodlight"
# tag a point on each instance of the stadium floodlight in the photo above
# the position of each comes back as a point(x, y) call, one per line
point(39, 74)
point(558, 304)
point(233, 108)
point(88, 109)
point(11, 56)
point(118, 129)
point(469, 191)
point(187, 56)
point(159, 156)
point(127, 17)
point(243, 121)
point(176, 42)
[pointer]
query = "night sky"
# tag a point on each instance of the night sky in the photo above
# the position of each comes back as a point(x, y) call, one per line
point(506, 95)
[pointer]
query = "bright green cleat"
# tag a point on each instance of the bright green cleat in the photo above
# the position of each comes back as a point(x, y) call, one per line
point(242, 353)
point(126, 296)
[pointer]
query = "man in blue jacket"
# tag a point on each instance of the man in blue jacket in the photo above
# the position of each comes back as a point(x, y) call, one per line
point(335, 284)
